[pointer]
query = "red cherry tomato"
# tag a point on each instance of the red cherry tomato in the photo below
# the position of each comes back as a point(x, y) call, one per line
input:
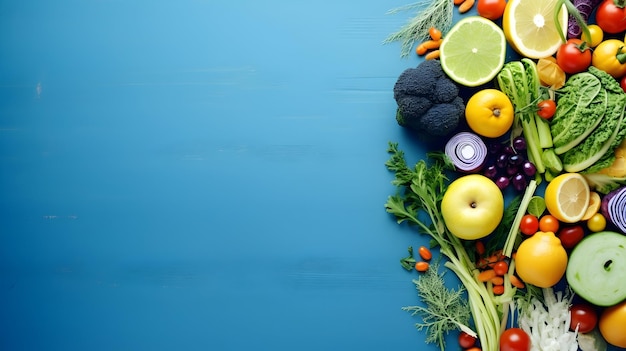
point(610, 17)
point(466, 341)
point(549, 223)
point(573, 56)
point(571, 235)
point(491, 9)
point(546, 108)
point(529, 224)
point(501, 268)
point(622, 83)
point(514, 339)
point(584, 316)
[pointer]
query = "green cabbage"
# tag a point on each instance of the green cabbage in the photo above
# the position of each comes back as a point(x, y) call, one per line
point(605, 137)
point(580, 107)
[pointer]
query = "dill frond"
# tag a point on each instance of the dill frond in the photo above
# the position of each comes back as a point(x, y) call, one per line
point(446, 309)
point(430, 13)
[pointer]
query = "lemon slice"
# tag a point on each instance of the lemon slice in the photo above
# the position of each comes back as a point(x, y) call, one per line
point(594, 205)
point(473, 51)
point(567, 197)
point(530, 28)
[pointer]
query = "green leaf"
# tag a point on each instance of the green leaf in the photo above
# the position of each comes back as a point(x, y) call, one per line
point(536, 206)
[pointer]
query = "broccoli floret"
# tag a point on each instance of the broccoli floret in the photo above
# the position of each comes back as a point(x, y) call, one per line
point(443, 118)
point(428, 101)
point(445, 91)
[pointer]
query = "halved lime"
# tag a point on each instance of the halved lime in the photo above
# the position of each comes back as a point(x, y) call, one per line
point(473, 51)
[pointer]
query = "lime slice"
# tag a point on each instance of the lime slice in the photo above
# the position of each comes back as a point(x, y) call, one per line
point(531, 29)
point(473, 51)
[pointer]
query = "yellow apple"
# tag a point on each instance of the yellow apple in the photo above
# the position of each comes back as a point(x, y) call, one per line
point(472, 207)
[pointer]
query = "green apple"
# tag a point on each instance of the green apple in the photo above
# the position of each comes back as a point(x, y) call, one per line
point(472, 207)
point(596, 270)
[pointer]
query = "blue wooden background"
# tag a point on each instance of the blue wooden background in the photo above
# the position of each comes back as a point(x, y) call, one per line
point(201, 175)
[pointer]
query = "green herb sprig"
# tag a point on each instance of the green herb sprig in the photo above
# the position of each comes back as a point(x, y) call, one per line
point(431, 13)
point(446, 309)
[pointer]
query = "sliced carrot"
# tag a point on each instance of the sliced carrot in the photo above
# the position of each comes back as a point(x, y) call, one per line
point(432, 55)
point(435, 34)
point(427, 45)
point(497, 280)
point(466, 6)
point(498, 289)
point(516, 282)
point(458, 2)
point(425, 253)
point(421, 266)
point(480, 247)
point(486, 275)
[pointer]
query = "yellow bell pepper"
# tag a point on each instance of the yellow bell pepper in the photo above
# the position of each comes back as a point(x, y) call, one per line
point(610, 56)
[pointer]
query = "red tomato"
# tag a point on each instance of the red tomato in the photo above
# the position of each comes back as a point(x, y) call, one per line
point(546, 108)
point(466, 341)
point(514, 339)
point(549, 223)
point(584, 316)
point(622, 83)
point(529, 224)
point(491, 9)
point(610, 17)
point(571, 235)
point(501, 268)
point(574, 56)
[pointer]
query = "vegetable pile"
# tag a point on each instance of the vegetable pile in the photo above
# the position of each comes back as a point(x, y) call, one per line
point(524, 198)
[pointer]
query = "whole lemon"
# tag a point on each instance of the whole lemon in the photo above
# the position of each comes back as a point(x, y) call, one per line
point(541, 260)
point(489, 113)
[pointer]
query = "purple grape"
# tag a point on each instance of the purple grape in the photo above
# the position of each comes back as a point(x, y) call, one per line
point(509, 150)
point(519, 182)
point(494, 148)
point(515, 160)
point(519, 143)
point(491, 172)
point(529, 168)
point(512, 169)
point(502, 161)
point(502, 182)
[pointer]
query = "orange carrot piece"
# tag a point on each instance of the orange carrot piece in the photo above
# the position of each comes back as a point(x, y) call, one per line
point(516, 282)
point(466, 6)
point(498, 289)
point(486, 275)
point(458, 2)
point(425, 253)
point(421, 266)
point(497, 280)
point(435, 34)
point(480, 247)
point(432, 55)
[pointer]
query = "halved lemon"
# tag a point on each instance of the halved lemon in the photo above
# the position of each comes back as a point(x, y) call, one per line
point(567, 197)
point(473, 51)
point(531, 29)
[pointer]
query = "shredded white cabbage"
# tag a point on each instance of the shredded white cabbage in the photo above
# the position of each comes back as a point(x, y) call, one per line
point(547, 323)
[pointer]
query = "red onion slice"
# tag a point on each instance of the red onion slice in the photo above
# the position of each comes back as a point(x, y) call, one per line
point(617, 209)
point(467, 151)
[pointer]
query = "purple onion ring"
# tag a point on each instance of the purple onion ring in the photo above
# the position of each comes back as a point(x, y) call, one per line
point(467, 151)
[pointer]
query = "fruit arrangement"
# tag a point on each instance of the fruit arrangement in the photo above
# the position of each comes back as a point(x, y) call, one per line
point(524, 191)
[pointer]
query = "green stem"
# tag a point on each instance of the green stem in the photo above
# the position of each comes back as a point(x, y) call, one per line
point(573, 11)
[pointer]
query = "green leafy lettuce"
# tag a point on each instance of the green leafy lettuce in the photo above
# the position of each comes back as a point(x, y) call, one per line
point(604, 138)
point(581, 104)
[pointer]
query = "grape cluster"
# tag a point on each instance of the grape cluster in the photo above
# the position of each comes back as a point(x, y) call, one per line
point(507, 165)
